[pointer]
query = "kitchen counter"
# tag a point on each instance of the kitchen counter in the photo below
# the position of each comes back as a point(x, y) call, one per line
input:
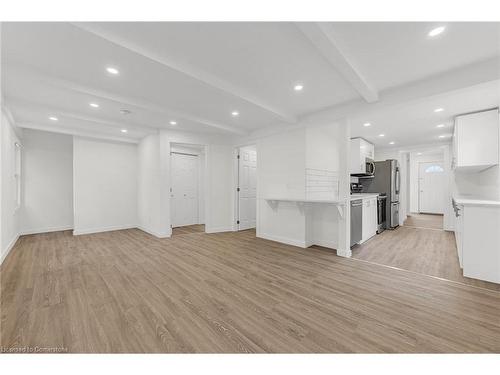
point(472, 201)
point(327, 201)
point(363, 196)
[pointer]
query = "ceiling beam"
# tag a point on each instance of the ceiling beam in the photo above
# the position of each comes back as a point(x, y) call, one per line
point(188, 70)
point(76, 132)
point(321, 35)
point(485, 73)
point(463, 78)
point(29, 106)
point(135, 102)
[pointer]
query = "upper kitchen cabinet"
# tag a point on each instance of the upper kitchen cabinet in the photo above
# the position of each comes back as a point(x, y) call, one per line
point(362, 155)
point(476, 141)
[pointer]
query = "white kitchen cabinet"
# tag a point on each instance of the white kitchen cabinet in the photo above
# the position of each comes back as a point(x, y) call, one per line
point(477, 235)
point(361, 150)
point(476, 141)
point(369, 218)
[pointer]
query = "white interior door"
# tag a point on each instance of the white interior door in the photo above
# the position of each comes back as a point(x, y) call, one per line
point(247, 183)
point(184, 195)
point(431, 187)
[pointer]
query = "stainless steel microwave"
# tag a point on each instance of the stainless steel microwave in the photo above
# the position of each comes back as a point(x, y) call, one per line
point(370, 167)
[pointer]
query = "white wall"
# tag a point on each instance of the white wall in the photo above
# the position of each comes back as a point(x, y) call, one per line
point(154, 181)
point(219, 215)
point(105, 185)
point(9, 227)
point(489, 181)
point(483, 185)
point(285, 159)
point(148, 189)
point(385, 154)
point(281, 174)
point(47, 162)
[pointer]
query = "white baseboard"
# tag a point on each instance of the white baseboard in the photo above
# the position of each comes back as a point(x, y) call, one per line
point(78, 232)
point(325, 243)
point(218, 229)
point(46, 230)
point(154, 233)
point(285, 240)
point(9, 248)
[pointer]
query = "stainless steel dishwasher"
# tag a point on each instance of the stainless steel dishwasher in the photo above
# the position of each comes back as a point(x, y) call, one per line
point(356, 221)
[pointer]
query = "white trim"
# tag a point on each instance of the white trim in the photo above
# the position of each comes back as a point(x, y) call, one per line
point(78, 232)
point(285, 240)
point(154, 233)
point(325, 243)
point(9, 248)
point(46, 230)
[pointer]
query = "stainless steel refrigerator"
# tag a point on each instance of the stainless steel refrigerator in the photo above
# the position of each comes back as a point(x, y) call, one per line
point(386, 179)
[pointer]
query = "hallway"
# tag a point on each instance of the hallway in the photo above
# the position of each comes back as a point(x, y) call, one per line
point(412, 247)
point(430, 221)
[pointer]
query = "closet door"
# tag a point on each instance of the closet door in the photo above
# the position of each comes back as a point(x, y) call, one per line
point(184, 195)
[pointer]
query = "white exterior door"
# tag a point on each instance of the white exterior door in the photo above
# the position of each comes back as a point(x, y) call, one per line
point(431, 181)
point(247, 183)
point(184, 195)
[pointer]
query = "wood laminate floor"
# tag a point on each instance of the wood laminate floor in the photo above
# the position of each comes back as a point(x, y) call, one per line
point(188, 229)
point(427, 251)
point(430, 221)
point(127, 291)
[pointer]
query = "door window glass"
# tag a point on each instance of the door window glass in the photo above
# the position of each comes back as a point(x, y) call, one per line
point(434, 169)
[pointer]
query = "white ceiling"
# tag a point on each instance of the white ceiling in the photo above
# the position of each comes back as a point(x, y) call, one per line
point(415, 122)
point(198, 73)
point(395, 53)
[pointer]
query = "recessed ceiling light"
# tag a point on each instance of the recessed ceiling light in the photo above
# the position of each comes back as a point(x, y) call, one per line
point(436, 31)
point(381, 135)
point(124, 130)
point(94, 105)
point(444, 135)
point(440, 126)
point(125, 112)
point(53, 118)
point(439, 110)
point(391, 143)
point(298, 87)
point(419, 153)
point(173, 122)
point(366, 124)
point(235, 113)
point(112, 70)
